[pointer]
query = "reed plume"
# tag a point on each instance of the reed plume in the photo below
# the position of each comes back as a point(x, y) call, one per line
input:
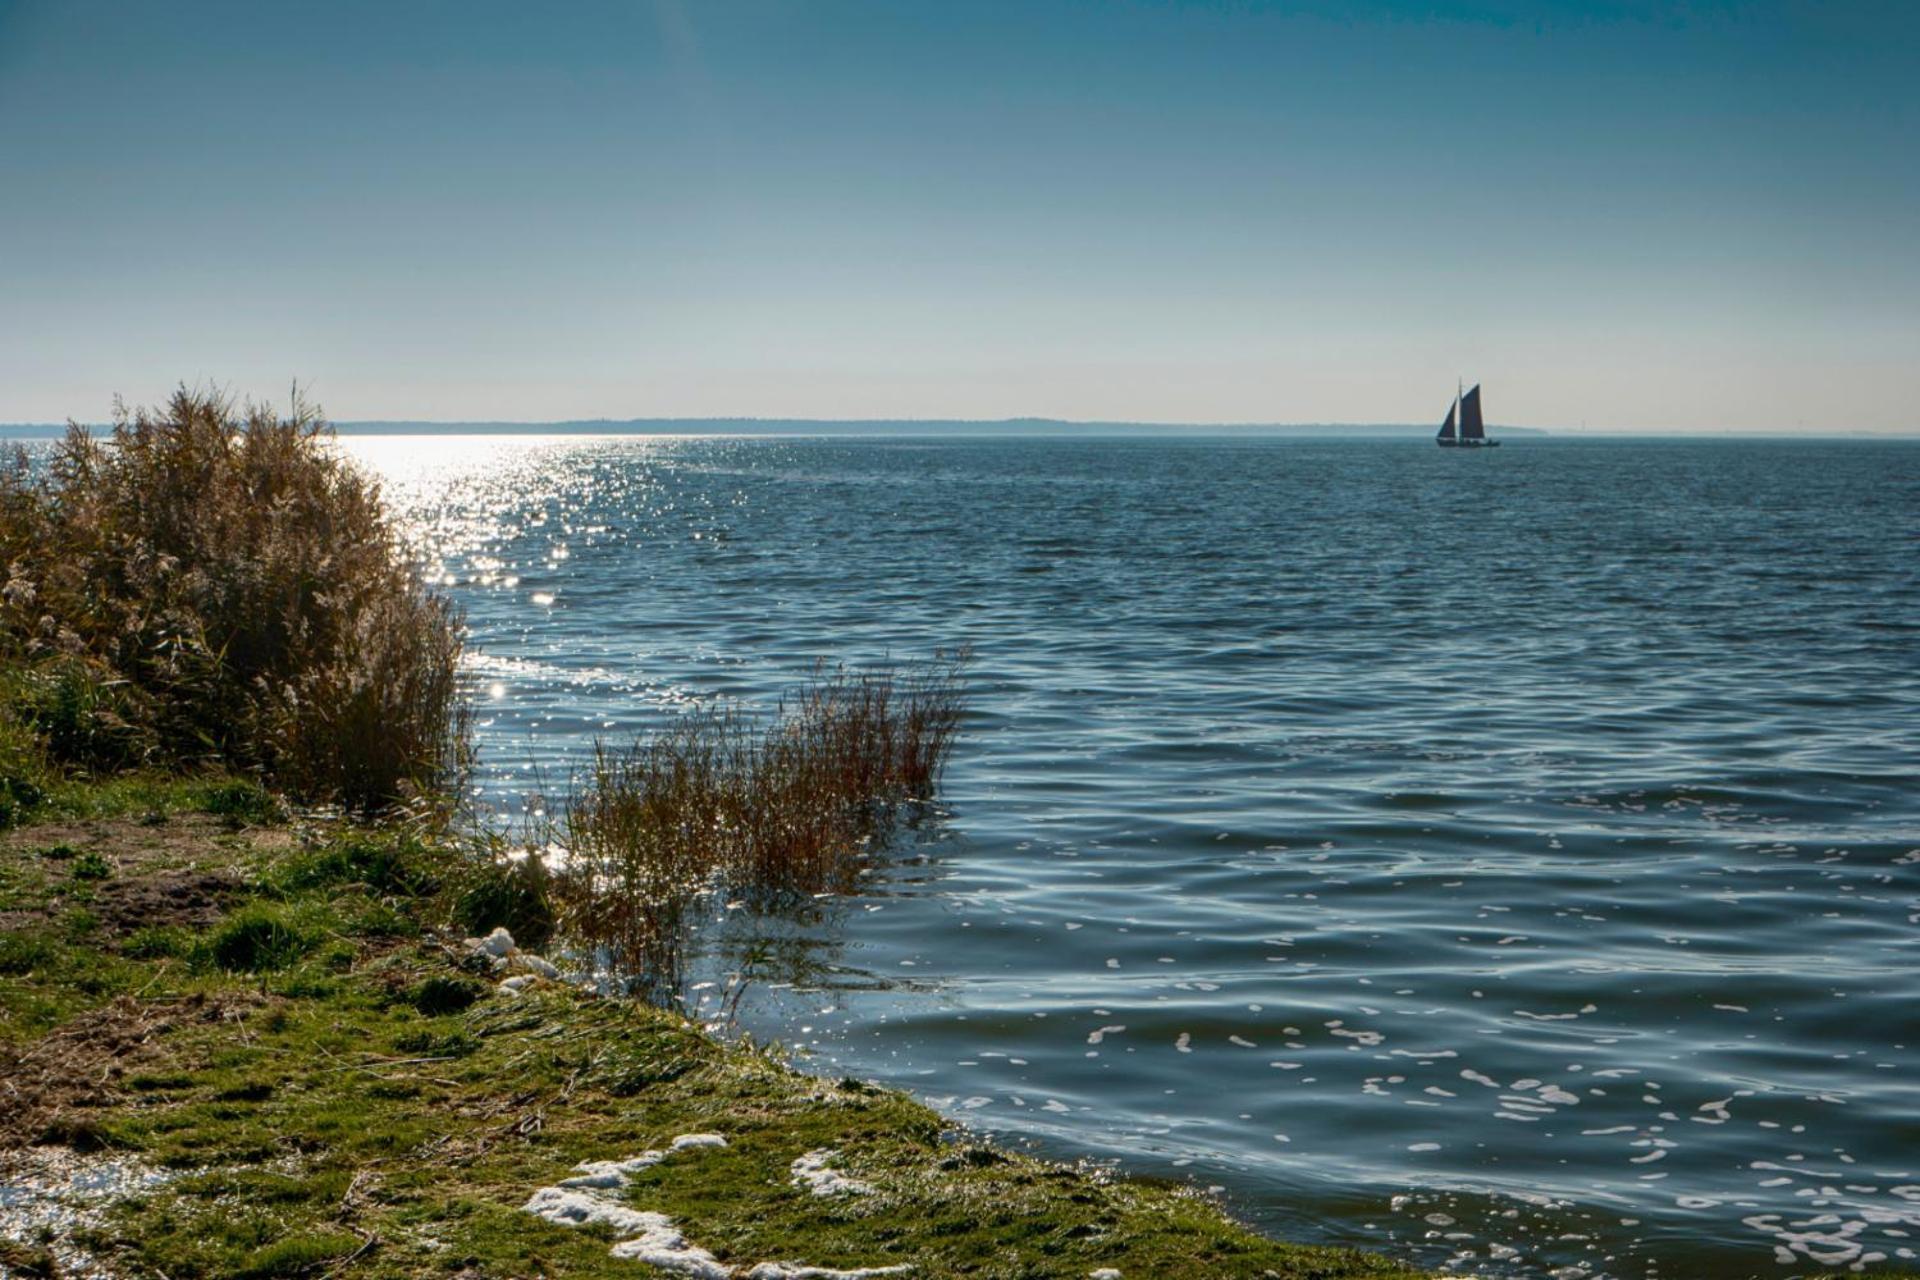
point(215, 583)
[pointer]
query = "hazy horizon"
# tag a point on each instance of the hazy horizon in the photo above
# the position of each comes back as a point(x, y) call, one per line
point(1658, 217)
point(879, 427)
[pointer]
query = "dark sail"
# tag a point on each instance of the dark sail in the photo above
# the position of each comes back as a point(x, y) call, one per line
point(1472, 427)
point(1446, 428)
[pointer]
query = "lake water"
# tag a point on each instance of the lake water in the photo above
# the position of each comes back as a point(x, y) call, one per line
point(1509, 860)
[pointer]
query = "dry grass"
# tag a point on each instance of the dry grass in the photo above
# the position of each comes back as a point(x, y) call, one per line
point(57, 1085)
point(766, 809)
point(215, 583)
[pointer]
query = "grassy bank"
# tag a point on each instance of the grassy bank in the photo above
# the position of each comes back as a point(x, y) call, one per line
point(286, 1024)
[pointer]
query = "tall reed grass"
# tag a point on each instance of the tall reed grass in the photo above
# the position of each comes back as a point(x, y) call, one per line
point(215, 583)
point(762, 808)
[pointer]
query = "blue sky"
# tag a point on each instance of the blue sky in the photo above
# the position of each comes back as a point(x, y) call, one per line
point(1632, 215)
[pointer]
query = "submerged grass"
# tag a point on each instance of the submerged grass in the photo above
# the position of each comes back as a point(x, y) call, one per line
point(771, 810)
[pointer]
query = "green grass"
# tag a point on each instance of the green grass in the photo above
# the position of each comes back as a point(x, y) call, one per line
point(45, 795)
point(332, 1092)
point(298, 1255)
point(259, 937)
point(339, 1092)
point(89, 866)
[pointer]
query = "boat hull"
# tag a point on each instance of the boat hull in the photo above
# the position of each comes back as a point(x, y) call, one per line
point(1468, 444)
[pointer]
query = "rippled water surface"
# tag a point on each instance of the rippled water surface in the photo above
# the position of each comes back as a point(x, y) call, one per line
point(1506, 859)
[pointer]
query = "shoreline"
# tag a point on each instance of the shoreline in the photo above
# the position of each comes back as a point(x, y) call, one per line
point(268, 1035)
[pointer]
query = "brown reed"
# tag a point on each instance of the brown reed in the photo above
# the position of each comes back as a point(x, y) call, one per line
point(215, 583)
point(767, 809)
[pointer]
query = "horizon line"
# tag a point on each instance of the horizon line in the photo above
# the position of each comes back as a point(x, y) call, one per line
point(641, 425)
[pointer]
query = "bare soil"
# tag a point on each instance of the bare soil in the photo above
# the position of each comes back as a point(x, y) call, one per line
point(50, 1088)
point(180, 872)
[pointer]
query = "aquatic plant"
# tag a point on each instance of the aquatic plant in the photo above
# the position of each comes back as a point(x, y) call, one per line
point(767, 808)
point(215, 583)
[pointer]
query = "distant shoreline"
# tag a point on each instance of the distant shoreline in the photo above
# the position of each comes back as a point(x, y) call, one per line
point(1028, 428)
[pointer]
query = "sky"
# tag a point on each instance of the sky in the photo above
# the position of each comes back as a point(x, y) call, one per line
point(1628, 215)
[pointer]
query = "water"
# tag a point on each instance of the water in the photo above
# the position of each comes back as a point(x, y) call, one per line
point(1506, 860)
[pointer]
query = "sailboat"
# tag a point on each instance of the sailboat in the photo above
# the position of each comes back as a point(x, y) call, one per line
point(1473, 428)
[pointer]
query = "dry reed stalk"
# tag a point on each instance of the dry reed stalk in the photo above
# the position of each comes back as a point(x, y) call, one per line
point(215, 582)
point(769, 810)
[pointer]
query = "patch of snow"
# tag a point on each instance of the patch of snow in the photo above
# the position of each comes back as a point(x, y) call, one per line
point(689, 1140)
point(815, 1172)
point(582, 1208)
point(500, 948)
point(498, 944)
point(611, 1175)
point(49, 1195)
point(608, 1175)
point(798, 1271)
point(668, 1250)
point(536, 965)
point(514, 986)
point(587, 1199)
point(1104, 1273)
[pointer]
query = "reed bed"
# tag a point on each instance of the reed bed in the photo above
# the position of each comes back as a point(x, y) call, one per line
point(214, 584)
point(764, 809)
